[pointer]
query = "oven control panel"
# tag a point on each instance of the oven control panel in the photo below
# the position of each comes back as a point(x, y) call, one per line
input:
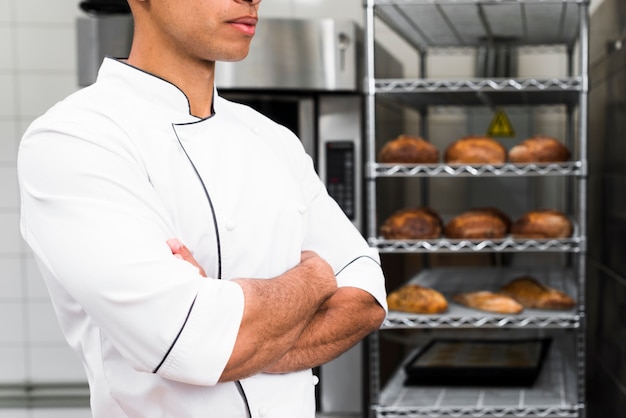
point(340, 175)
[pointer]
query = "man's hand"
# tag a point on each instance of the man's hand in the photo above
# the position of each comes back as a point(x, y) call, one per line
point(182, 252)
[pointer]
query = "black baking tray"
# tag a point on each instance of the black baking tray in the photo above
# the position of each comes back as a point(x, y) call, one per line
point(477, 362)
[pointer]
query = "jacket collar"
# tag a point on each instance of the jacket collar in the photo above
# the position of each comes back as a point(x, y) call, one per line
point(162, 95)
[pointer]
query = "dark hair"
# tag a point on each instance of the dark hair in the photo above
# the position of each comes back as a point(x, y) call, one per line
point(105, 6)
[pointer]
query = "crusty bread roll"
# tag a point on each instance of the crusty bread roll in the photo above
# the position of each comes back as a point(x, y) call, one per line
point(484, 300)
point(539, 149)
point(414, 298)
point(408, 149)
point(475, 150)
point(532, 294)
point(542, 223)
point(481, 223)
point(412, 223)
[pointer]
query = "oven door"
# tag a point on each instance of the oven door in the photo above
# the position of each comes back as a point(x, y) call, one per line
point(295, 112)
point(330, 128)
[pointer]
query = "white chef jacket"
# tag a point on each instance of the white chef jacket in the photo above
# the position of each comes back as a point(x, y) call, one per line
point(112, 172)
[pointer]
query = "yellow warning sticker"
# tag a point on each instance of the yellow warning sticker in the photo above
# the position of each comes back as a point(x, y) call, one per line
point(500, 125)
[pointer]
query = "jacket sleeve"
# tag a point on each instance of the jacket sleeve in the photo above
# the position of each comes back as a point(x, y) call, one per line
point(93, 220)
point(335, 238)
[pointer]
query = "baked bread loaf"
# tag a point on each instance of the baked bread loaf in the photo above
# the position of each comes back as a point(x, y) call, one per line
point(414, 298)
point(484, 300)
point(408, 149)
point(542, 223)
point(481, 223)
point(539, 149)
point(412, 223)
point(475, 150)
point(530, 293)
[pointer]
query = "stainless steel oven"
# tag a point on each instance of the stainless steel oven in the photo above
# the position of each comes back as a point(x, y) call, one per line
point(329, 126)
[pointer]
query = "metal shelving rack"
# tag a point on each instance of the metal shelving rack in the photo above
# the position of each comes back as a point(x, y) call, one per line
point(428, 24)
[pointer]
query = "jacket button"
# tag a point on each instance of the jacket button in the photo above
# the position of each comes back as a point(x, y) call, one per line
point(302, 209)
point(230, 225)
point(263, 411)
point(315, 380)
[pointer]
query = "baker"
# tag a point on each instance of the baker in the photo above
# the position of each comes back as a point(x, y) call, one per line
point(194, 259)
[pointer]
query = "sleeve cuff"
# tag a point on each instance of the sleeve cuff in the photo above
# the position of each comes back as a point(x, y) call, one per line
point(365, 273)
point(208, 336)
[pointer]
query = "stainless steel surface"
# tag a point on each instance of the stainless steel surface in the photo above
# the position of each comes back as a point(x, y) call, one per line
point(459, 23)
point(303, 106)
point(570, 168)
point(487, 92)
point(340, 120)
point(100, 36)
point(342, 384)
point(574, 245)
point(438, 24)
point(553, 395)
point(318, 54)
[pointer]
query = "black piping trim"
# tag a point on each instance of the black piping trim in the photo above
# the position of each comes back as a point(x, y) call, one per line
point(206, 193)
point(125, 62)
point(177, 336)
point(359, 257)
point(244, 397)
point(238, 384)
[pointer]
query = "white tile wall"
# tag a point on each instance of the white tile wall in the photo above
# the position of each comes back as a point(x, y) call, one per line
point(45, 48)
point(39, 90)
point(37, 68)
point(6, 11)
point(9, 198)
point(276, 8)
point(6, 48)
point(46, 12)
point(10, 237)
point(11, 289)
point(7, 98)
point(8, 142)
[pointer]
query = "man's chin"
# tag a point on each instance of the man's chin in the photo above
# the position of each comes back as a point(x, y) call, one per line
point(233, 57)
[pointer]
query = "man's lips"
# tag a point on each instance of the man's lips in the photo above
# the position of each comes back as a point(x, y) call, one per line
point(245, 24)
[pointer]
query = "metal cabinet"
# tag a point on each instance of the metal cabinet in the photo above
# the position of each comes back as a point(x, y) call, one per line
point(472, 24)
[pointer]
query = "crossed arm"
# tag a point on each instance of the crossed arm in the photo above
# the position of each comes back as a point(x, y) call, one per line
point(310, 323)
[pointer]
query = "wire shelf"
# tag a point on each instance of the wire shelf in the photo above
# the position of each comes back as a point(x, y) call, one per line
point(570, 168)
point(452, 280)
point(573, 245)
point(462, 23)
point(552, 395)
point(480, 92)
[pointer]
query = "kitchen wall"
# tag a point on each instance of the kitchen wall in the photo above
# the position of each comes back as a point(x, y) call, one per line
point(606, 278)
point(38, 68)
